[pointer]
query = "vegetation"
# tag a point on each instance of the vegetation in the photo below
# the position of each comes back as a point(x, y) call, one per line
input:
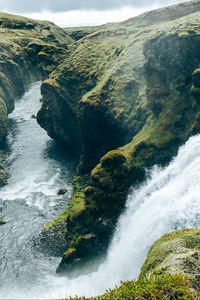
point(77, 33)
point(123, 101)
point(176, 252)
point(154, 286)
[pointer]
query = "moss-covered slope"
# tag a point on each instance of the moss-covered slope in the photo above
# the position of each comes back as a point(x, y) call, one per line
point(125, 99)
point(77, 33)
point(176, 252)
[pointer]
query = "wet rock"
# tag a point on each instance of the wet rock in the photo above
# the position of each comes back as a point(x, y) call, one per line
point(196, 78)
point(62, 192)
point(176, 252)
point(195, 90)
point(2, 222)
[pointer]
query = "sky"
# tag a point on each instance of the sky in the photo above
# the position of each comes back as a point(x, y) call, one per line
point(69, 13)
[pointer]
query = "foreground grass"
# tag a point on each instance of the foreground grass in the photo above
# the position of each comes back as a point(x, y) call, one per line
point(155, 286)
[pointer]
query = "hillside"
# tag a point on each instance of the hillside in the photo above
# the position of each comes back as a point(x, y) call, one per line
point(77, 33)
point(125, 99)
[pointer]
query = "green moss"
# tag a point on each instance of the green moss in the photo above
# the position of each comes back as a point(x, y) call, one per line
point(156, 287)
point(195, 90)
point(75, 207)
point(57, 221)
point(77, 204)
point(172, 251)
point(69, 253)
point(113, 159)
point(43, 54)
point(153, 287)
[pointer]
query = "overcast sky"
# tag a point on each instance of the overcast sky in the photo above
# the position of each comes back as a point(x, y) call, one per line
point(82, 12)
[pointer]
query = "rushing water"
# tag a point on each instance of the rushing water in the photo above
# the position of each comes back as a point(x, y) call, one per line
point(168, 200)
point(29, 199)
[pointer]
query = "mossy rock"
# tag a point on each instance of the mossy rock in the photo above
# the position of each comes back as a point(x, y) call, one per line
point(196, 78)
point(156, 286)
point(2, 222)
point(3, 120)
point(113, 159)
point(176, 252)
point(62, 192)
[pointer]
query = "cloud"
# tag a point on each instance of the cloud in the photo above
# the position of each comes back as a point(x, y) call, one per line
point(86, 17)
point(70, 5)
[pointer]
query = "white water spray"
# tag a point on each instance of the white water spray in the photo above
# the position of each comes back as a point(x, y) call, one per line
point(168, 200)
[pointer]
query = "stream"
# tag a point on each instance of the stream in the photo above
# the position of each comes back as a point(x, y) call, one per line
point(29, 200)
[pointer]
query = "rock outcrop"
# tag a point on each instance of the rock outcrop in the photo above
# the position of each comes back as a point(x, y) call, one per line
point(176, 253)
point(123, 100)
point(2, 222)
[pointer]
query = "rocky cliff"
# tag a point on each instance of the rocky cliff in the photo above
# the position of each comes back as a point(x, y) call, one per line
point(125, 98)
point(30, 50)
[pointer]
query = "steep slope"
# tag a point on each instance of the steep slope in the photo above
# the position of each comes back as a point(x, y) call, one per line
point(133, 85)
point(30, 50)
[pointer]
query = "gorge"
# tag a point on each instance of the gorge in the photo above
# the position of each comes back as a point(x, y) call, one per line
point(81, 207)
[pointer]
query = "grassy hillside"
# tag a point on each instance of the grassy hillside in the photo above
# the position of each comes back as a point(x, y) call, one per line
point(77, 33)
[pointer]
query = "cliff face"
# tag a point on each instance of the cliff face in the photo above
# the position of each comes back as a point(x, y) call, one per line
point(133, 85)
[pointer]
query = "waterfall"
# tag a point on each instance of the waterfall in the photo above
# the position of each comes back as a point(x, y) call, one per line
point(168, 200)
